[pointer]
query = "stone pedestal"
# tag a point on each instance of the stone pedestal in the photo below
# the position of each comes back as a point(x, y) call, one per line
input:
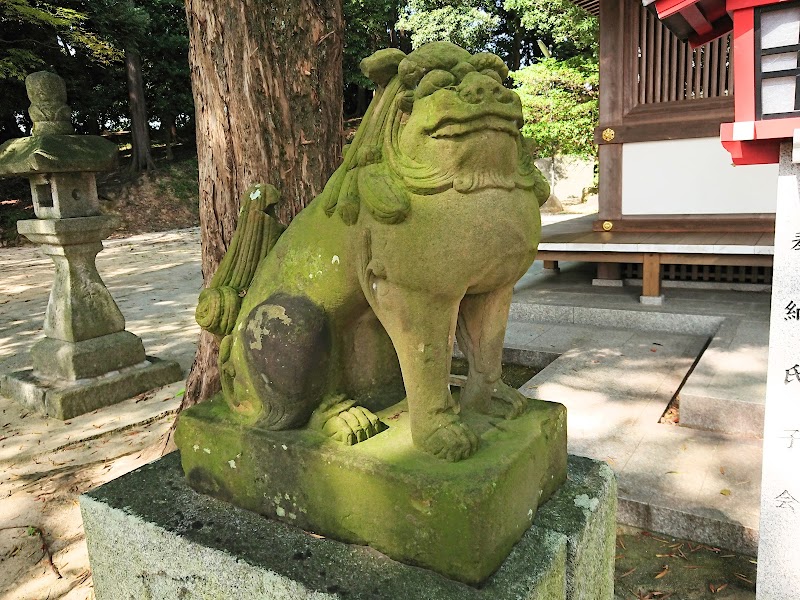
point(177, 543)
point(459, 519)
point(779, 529)
point(87, 360)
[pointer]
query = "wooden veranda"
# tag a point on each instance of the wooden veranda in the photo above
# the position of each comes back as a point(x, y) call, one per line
point(709, 256)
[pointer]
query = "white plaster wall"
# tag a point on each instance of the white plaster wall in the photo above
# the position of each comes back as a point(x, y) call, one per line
point(693, 177)
point(568, 176)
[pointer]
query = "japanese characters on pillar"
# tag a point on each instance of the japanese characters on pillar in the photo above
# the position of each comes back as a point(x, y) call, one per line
point(778, 552)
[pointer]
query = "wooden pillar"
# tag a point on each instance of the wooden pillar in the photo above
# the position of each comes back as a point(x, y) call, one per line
point(551, 265)
point(609, 271)
point(612, 103)
point(651, 278)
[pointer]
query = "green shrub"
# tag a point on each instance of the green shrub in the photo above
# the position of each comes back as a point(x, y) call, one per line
point(560, 105)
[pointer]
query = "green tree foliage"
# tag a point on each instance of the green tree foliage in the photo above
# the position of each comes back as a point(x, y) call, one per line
point(369, 26)
point(165, 54)
point(510, 28)
point(83, 41)
point(468, 23)
point(36, 33)
point(39, 35)
point(563, 27)
point(560, 105)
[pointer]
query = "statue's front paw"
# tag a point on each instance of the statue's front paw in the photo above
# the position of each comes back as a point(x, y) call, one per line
point(449, 439)
point(345, 423)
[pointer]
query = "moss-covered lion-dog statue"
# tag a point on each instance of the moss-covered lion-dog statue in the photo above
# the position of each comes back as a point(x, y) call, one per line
point(417, 239)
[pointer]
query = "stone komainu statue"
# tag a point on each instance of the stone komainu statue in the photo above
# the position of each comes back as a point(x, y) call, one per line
point(416, 240)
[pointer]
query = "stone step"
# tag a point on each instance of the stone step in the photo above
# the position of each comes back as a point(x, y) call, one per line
point(724, 391)
point(616, 383)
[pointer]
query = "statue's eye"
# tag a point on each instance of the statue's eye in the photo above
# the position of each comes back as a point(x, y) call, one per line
point(435, 80)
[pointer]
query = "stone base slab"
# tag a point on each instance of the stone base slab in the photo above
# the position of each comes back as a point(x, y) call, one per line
point(459, 519)
point(652, 300)
point(177, 543)
point(67, 399)
point(94, 357)
point(607, 282)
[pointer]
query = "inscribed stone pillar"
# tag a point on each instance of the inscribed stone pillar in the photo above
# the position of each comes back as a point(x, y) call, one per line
point(778, 555)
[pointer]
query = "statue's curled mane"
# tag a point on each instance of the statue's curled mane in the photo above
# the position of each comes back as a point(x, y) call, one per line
point(375, 171)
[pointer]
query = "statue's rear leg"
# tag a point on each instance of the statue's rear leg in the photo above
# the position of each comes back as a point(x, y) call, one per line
point(286, 344)
point(277, 368)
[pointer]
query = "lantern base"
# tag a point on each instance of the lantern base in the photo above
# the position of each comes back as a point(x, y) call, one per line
point(67, 399)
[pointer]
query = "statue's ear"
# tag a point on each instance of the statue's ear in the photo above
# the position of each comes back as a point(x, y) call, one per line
point(381, 66)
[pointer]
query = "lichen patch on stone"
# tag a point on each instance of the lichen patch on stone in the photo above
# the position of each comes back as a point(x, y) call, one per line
point(583, 501)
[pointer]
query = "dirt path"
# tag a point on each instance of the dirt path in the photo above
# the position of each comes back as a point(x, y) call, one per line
point(45, 464)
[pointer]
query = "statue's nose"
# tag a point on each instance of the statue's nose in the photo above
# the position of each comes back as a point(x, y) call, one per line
point(477, 88)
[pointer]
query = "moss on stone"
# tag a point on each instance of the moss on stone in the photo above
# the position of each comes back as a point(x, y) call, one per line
point(56, 154)
point(460, 519)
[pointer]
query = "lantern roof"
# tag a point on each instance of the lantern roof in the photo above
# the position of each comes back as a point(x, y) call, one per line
point(56, 154)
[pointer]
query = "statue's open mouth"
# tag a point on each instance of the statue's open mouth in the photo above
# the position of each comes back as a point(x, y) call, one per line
point(456, 127)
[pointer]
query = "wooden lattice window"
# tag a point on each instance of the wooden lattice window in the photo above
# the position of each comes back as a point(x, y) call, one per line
point(713, 273)
point(670, 71)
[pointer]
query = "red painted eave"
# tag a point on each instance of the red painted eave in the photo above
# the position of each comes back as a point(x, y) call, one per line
point(698, 21)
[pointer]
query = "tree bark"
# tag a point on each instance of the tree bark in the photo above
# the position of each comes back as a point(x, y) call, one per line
point(141, 159)
point(170, 130)
point(267, 85)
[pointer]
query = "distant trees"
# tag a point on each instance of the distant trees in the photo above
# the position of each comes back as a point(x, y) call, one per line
point(516, 30)
point(560, 105)
point(35, 36)
point(370, 26)
point(114, 54)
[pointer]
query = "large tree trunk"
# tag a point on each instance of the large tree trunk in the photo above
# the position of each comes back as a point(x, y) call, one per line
point(170, 131)
point(141, 158)
point(267, 84)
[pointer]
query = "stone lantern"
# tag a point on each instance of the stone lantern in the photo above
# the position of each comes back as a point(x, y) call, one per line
point(87, 359)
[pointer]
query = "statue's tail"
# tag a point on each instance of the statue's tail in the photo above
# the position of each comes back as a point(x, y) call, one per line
point(256, 234)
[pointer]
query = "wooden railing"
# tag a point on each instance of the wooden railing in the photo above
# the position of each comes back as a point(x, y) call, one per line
point(669, 70)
